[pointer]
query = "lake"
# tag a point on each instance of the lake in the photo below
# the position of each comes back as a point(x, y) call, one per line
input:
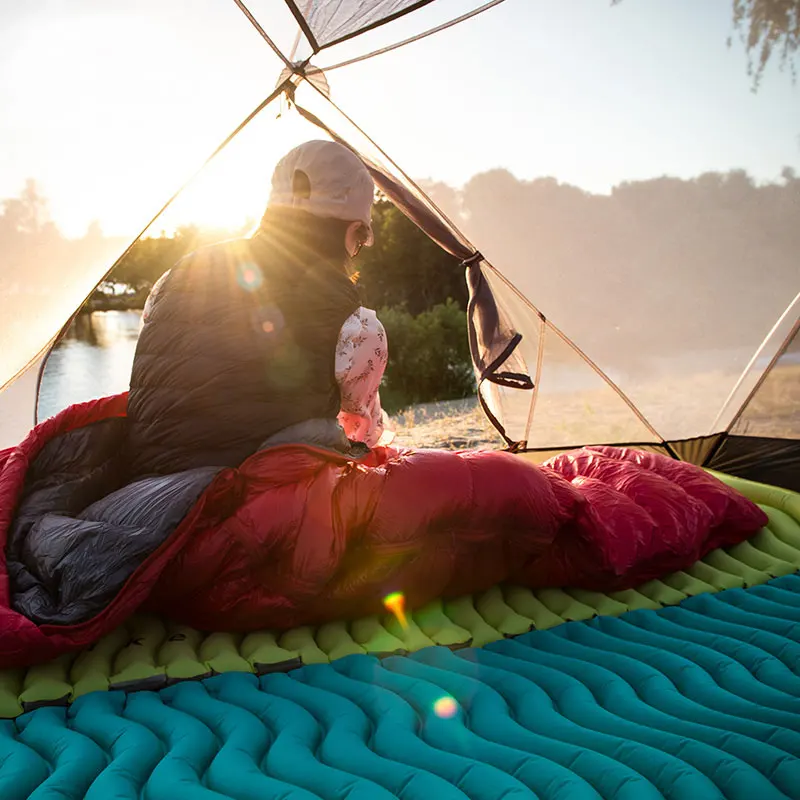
point(93, 360)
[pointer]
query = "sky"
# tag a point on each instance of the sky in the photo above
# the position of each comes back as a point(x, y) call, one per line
point(112, 106)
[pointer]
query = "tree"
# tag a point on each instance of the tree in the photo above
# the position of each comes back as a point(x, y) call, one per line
point(28, 212)
point(769, 26)
point(406, 268)
point(429, 356)
point(150, 257)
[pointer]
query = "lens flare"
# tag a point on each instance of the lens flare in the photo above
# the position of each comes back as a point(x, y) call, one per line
point(249, 276)
point(445, 707)
point(396, 603)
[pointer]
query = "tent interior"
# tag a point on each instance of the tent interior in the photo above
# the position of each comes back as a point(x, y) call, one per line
point(620, 303)
point(594, 318)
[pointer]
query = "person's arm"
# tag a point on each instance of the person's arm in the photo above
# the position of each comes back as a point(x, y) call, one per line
point(361, 355)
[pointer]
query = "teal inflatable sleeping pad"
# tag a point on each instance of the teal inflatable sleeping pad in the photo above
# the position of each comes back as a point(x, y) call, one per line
point(698, 700)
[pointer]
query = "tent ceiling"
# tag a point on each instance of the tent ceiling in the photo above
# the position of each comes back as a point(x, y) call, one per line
point(328, 22)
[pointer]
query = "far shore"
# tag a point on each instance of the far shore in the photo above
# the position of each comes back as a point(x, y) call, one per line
point(102, 301)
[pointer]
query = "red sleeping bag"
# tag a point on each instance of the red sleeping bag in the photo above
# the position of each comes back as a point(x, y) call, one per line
point(300, 535)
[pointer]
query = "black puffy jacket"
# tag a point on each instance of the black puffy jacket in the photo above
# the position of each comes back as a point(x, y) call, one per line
point(235, 348)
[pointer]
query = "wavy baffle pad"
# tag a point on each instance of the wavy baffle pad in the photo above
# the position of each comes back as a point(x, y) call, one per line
point(149, 653)
point(696, 701)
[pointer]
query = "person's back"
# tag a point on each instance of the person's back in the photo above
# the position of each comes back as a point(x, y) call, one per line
point(239, 341)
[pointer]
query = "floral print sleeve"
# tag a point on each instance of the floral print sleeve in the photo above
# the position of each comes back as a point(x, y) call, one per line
point(361, 355)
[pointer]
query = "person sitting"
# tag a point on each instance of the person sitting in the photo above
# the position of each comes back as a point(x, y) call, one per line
point(250, 338)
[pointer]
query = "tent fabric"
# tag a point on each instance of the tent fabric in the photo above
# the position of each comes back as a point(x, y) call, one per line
point(303, 535)
point(327, 22)
point(525, 229)
point(757, 458)
point(610, 363)
point(772, 409)
point(18, 401)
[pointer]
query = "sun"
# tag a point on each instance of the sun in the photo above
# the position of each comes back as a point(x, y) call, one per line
point(233, 188)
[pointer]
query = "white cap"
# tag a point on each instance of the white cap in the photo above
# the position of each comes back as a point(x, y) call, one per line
point(325, 179)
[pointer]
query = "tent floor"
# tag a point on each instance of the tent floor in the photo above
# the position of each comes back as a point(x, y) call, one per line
point(699, 700)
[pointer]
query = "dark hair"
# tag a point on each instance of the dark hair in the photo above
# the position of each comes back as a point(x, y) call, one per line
point(303, 241)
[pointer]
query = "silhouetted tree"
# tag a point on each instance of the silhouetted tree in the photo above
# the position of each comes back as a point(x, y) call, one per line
point(26, 213)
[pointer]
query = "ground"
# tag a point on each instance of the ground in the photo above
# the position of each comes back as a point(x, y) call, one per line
point(597, 414)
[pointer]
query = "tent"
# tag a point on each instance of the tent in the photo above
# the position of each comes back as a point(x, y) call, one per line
point(702, 366)
point(685, 686)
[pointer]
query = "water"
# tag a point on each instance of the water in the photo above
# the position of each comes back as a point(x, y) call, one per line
point(93, 360)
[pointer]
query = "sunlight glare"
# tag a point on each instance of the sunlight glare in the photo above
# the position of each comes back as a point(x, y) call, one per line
point(445, 707)
point(396, 604)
